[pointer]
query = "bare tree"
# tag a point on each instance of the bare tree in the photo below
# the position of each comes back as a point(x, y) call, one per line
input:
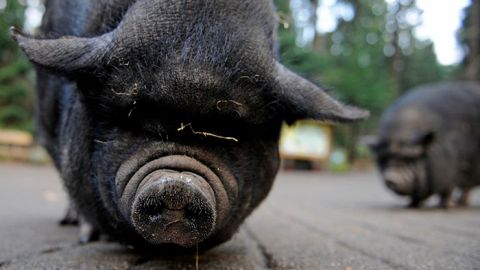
point(472, 32)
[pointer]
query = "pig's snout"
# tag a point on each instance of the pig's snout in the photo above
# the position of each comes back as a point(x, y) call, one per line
point(174, 207)
point(174, 199)
point(399, 181)
point(391, 184)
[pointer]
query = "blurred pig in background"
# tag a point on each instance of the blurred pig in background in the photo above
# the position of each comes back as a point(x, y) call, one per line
point(429, 143)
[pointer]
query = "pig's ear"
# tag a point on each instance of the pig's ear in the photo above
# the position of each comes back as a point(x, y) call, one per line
point(301, 99)
point(65, 54)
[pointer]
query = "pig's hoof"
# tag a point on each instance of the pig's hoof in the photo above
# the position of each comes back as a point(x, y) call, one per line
point(462, 203)
point(71, 217)
point(88, 232)
point(463, 200)
point(414, 203)
point(448, 204)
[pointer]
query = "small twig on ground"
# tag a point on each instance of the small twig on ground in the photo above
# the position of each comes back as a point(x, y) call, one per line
point(206, 134)
point(196, 260)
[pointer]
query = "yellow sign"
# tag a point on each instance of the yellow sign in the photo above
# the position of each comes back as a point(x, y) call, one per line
point(306, 140)
point(14, 137)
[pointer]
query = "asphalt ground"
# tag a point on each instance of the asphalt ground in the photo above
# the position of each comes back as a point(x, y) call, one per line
point(309, 221)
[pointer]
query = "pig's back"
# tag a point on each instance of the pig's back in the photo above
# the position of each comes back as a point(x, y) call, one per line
point(438, 106)
point(453, 101)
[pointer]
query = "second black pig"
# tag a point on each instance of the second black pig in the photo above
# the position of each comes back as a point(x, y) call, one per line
point(429, 142)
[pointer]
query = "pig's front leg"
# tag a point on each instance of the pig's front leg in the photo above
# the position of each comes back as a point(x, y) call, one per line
point(414, 202)
point(463, 200)
point(71, 215)
point(446, 200)
point(88, 232)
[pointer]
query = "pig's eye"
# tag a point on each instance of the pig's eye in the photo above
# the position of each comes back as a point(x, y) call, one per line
point(382, 161)
point(409, 159)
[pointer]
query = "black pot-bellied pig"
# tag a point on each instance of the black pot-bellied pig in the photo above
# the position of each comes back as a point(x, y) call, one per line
point(429, 142)
point(163, 116)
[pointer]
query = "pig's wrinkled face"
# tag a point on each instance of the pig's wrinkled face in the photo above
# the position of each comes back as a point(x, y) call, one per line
point(402, 150)
point(403, 164)
point(186, 189)
point(186, 162)
point(403, 174)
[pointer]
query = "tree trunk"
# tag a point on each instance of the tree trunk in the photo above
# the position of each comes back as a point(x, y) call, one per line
point(318, 42)
point(354, 131)
point(398, 65)
point(472, 68)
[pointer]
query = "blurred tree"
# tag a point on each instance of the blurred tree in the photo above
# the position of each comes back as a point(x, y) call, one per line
point(411, 61)
point(317, 43)
point(16, 97)
point(399, 32)
point(303, 60)
point(357, 69)
point(421, 67)
point(469, 36)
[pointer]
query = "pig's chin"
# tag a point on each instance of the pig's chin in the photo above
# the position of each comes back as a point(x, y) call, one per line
point(173, 199)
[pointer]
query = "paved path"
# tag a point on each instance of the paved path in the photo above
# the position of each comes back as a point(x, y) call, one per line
point(309, 221)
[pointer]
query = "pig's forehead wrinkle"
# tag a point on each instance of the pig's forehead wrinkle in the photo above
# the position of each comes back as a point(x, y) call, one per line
point(194, 89)
point(190, 74)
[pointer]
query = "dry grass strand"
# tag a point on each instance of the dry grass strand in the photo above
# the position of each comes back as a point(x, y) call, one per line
point(227, 101)
point(206, 134)
point(197, 258)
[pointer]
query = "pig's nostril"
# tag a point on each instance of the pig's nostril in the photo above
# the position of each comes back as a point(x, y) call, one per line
point(391, 184)
point(174, 207)
point(153, 210)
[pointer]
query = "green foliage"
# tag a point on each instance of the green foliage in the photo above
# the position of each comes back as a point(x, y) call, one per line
point(16, 95)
